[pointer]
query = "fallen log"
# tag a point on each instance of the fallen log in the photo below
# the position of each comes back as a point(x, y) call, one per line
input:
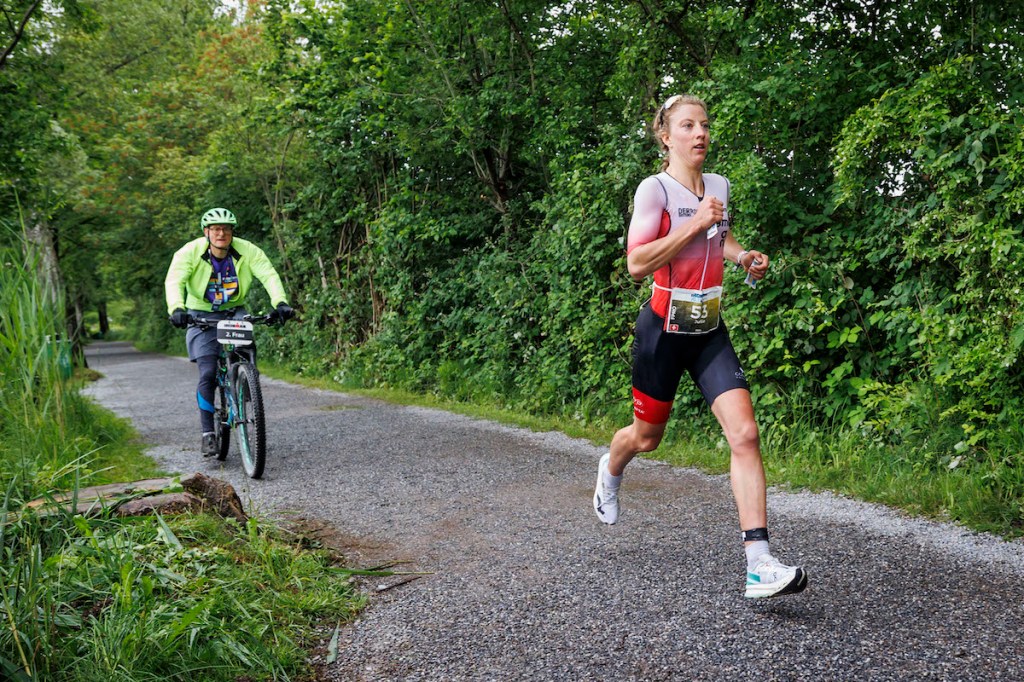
point(194, 493)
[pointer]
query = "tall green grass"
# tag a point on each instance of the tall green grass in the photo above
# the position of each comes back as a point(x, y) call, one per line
point(33, 394)
point(194, 597)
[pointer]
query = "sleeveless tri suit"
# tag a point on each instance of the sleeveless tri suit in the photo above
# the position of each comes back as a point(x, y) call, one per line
point(680, 327)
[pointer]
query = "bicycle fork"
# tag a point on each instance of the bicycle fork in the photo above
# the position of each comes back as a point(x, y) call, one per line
point(231, 391)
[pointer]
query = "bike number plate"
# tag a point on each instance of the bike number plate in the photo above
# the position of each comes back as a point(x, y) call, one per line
point(234, 332)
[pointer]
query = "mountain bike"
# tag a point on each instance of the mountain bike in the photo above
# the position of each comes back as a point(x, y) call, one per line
point(238, 400)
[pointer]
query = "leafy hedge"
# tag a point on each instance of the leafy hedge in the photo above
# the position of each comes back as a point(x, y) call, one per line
point(886, 188)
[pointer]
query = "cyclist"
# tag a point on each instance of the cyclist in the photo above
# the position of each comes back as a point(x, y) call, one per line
point(680, 232)
point(210, 277)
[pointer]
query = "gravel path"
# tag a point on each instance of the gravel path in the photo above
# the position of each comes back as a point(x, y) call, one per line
point(525, 584)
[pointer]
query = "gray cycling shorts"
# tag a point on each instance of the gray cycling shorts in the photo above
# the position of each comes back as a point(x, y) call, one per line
point(203, 342)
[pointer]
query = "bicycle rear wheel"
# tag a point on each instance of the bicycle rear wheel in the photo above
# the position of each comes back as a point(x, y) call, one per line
point(220, 422)
point(251, 423)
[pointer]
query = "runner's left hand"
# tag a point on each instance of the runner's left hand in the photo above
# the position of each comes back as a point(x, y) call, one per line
point(756, 264)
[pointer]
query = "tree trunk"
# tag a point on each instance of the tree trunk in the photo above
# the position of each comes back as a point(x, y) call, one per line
point(75, 323)
point(41, 245)
point(101, 310)
point(40, 239)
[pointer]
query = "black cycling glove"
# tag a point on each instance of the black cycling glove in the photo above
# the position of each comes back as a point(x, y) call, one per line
point(179, 318)
point(284, 312)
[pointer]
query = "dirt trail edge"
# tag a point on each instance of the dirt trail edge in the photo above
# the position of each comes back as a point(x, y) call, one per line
point(526, 584)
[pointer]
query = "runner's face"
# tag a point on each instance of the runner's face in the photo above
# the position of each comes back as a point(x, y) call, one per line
point(219, 235)
point(688, 135)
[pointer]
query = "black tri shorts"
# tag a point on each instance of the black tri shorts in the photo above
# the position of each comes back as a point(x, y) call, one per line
point(660, 357)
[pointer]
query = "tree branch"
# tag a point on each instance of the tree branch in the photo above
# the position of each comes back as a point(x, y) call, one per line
point(19, 32)
point(129, 59)
point(524, 45)
point(675, 28)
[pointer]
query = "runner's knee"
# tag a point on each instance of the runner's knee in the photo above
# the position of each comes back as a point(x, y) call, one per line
point(744, 436)
point(646, 442)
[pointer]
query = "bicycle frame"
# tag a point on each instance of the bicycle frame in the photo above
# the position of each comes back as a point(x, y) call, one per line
point(239, 400)
point(227, 363)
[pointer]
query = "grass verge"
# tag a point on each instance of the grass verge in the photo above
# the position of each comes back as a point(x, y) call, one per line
point(120, 452)
point(980, 493)
point(151, 598)
point(182, 598)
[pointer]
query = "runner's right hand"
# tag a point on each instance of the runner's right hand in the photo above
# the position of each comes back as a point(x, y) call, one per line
point(709, 211)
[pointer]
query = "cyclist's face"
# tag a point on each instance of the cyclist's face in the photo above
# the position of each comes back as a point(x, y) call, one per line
point(219, 235)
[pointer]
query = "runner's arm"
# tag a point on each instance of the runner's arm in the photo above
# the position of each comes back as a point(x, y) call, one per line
point(733, 250)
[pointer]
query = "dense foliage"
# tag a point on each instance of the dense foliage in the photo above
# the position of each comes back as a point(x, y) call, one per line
point(446, 185)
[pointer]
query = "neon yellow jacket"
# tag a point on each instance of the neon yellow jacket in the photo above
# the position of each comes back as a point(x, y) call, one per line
point(190, 272)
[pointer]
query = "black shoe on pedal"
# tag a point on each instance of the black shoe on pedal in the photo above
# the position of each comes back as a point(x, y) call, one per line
point(209, 445)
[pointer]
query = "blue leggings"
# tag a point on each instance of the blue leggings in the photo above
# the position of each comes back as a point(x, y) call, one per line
point(207, 387)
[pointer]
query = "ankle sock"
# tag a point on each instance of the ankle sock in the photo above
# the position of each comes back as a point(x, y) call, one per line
point(754, 552)
point(611, 483)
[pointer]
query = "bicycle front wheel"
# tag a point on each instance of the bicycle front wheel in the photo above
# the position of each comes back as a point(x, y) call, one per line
point(251, 424)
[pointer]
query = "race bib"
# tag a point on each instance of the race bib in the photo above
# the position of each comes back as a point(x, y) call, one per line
point(693, 311)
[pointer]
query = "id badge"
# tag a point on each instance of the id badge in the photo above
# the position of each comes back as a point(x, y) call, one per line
point(693, 311)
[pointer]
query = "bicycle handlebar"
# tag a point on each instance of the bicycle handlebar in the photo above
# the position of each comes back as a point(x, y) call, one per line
point(207, 322)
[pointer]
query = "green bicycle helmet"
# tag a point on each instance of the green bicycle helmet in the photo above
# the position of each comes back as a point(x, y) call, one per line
point(218, 216)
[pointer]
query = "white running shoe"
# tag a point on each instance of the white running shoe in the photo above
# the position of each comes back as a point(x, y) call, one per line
point(606, 502)
point(770, 578)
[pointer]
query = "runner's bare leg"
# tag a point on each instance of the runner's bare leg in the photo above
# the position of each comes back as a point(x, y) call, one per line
point(735, 412)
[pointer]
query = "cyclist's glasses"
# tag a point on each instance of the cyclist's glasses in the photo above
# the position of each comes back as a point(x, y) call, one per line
point(220, 228)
